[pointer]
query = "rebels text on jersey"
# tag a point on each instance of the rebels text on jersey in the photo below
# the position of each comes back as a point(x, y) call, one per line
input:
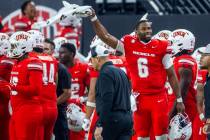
point(147, 63)
point(26, 81)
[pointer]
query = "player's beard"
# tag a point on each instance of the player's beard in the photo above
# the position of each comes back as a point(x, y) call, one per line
point(144, 37)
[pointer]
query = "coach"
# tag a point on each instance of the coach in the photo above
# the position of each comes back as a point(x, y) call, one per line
point(113, 91)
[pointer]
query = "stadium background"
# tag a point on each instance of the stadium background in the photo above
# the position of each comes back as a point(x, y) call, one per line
point(120, 18)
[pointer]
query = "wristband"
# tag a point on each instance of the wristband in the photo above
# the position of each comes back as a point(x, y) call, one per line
point(179, 100)
point(201, 116)
point(91, 104)
point(94, 18)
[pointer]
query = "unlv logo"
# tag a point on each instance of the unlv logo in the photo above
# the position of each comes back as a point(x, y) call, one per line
point(43, 13)
point(21, 36)
point(164, 35)
point(179, 33)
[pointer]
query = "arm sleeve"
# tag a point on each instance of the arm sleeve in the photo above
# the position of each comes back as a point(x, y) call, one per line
point(167, 61)
point(120, 47)
point(35, 84)
point(107, 95)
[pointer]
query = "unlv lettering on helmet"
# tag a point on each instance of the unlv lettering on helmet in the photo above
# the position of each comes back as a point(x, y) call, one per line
point(179, 33)
point(21, 36)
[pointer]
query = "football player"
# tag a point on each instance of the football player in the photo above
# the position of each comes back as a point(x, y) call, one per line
point(48, 92)
point(26, 85)
point(199, 120)
point(149, 64)
point(24, 22)
point(185, 65)
point(80, 81)
point(5, 71)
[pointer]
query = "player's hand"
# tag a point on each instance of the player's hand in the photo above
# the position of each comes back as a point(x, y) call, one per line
point(98, 133)
point(83, 11)
point(206, 128)
point(86, 124)
point(180, 107)
point(81, 100)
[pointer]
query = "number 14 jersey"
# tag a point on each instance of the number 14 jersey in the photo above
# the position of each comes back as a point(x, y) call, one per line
point(147, 63)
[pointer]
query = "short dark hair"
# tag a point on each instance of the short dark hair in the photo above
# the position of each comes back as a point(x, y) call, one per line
point(139, 22)
point(70, 47)
point(47, 40)
point(24, 5)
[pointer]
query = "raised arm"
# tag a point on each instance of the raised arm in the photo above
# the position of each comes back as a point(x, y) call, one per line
point(102, 33)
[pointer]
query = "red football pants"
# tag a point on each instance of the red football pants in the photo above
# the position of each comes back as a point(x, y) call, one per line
point(50, 116)
point(152, 112)
point(4, 121)
point(26, 123)
point(77, 135)
point(92, 125)
point(198, 129)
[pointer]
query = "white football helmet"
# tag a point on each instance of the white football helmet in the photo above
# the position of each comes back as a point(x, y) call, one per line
point(58, 42)
point(197, 54)
point(37, 37)
point(21, 43)
point(4, 44)
point(182, 39)
point(162, 35)
point(180, 127)
point(70, 20)
point(3, 36)
point(75, 117)
point(97, 41)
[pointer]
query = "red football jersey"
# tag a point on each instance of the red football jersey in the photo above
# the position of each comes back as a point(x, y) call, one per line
point(79, 79)
point(50, 69)
point(145, 63)
point(23, 24)
point(187, 61)
point(26, 81)
point(6, 65)
point(71, 34)
point(202, 76)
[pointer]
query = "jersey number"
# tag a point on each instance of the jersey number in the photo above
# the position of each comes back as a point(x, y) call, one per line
point(48, 78)
point(143, 67)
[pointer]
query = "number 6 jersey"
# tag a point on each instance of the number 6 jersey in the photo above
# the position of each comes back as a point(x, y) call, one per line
point(147, 63)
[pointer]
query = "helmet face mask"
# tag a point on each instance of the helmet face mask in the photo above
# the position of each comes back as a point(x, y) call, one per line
point(180, 127)
point(75, 117)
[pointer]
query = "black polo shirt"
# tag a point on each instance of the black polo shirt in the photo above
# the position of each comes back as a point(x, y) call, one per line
point(64, 82)
point(113, 91)
point(207, 97)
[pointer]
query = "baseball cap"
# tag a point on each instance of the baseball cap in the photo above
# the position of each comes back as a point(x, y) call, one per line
point(206, 50)
point(98, 51)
